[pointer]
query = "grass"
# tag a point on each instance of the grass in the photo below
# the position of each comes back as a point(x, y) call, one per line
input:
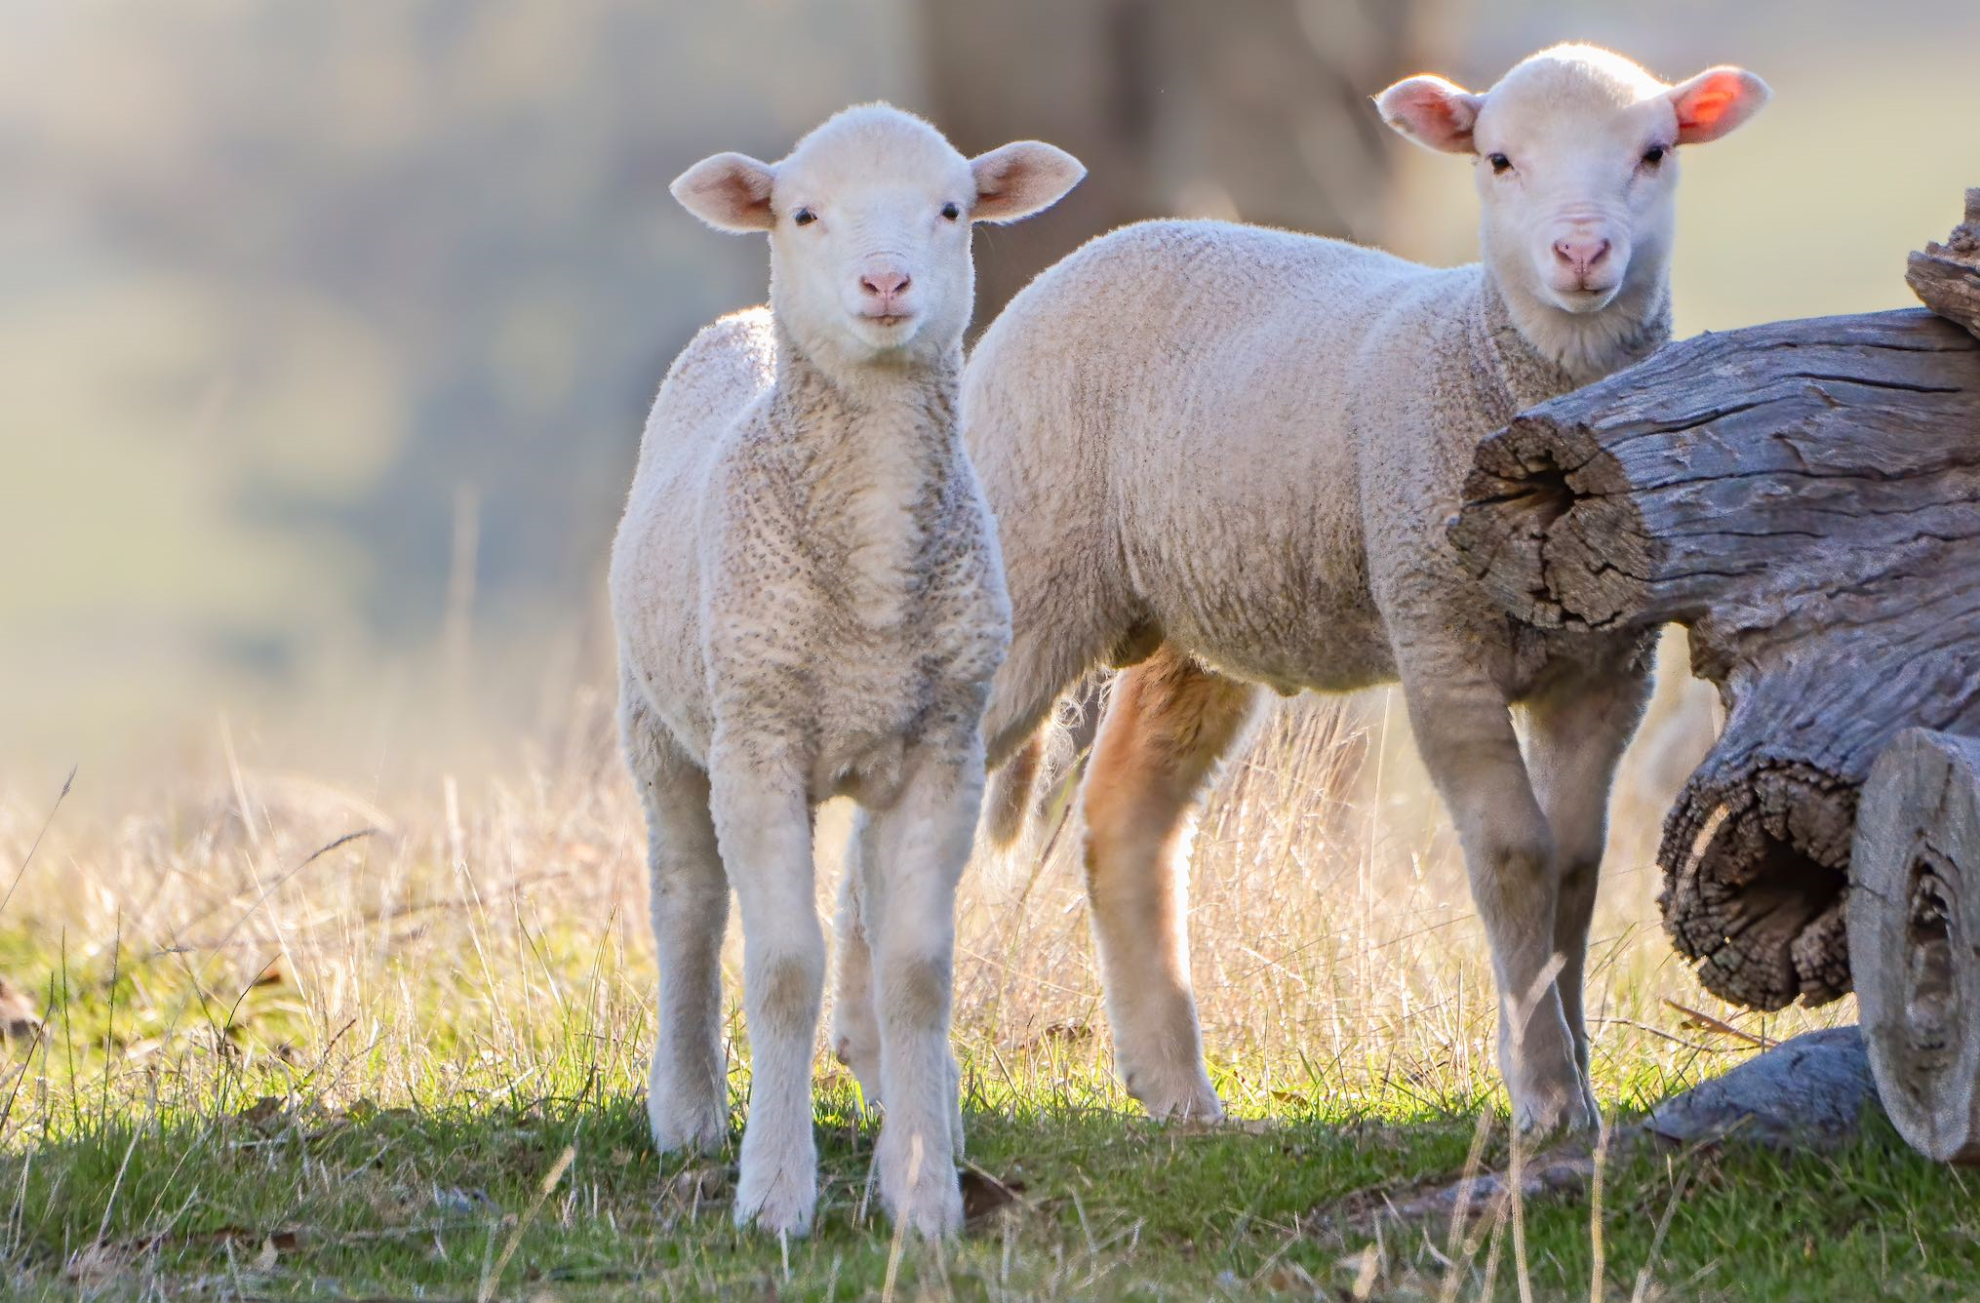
point(304, 1043)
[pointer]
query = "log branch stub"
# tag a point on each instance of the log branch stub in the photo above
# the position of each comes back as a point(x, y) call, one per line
point(1805, 497)
point(1946, 277)
point(1914, 936)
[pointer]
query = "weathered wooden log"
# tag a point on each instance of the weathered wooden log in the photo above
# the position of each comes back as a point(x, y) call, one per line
point(1805, 496)
point(1946, 277)
point(1914, 938)
point(1811, 1092)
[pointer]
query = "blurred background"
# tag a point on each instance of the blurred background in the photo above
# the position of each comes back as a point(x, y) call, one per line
point(327, 330)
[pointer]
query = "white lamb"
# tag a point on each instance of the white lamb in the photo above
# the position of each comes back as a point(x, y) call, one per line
point(1225, 455)
point(809, 604)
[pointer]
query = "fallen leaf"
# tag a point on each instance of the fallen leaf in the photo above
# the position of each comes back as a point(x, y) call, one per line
point(94, 1264)
point(984, 1194)
point(263, 1113)
point(451, 1199)
point(18, 1019)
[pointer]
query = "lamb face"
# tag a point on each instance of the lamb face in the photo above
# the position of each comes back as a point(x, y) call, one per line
point(1576, 166)
point(869, 222)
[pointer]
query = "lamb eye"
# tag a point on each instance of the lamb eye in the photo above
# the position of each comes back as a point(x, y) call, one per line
point(1653, 156)
point(951, 212)
point(1500, 163)
point(804, 217)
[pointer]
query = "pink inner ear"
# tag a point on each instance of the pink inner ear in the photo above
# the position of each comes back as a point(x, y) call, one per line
point(1444, 111)
point(1715, 103)
point(1436, 113)
point(1702, 111)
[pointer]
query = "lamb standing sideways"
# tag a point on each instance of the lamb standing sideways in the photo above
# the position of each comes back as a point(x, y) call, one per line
point(1225, 455)
point(810, 603)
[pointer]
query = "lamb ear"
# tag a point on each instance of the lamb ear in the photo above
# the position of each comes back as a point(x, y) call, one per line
point(1715, 101)
point(1434, 113)
point(1020, 179)
point(730, 192)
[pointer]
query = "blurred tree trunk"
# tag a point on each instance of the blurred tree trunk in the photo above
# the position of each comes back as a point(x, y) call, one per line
point(1255, 109)
point(1251, 109)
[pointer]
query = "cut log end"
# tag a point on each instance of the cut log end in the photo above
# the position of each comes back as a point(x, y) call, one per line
point(1755, 884)
point(1546, 530)
point(1914, 933)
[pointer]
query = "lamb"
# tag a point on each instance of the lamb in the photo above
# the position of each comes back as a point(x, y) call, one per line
point(1224, 455)
point(810, 603)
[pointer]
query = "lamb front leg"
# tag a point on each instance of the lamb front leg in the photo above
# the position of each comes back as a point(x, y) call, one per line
point(763, 823)
point(1577, 734)
point(1465, 734)
point(919, 848)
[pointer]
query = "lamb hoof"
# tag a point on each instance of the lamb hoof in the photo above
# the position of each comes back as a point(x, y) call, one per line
point(1565, 1115)
point(924, 1195)
point(779, 1201)
point(680, 1127)
point(932, 1213)
point(1183, 1097)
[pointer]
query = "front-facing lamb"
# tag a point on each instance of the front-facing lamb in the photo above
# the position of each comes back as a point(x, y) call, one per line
point(809, 604)
point(1225, 455)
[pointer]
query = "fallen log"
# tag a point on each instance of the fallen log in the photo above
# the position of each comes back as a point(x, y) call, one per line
point(1809, 1093)
point(1805, 497)
point(1914, 936)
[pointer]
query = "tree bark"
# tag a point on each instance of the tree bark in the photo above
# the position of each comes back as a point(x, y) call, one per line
point(1946, 277)
point(1914, 934)
point(1248, 108)
point(1805, 496)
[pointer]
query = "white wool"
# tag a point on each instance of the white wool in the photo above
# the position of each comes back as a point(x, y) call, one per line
point(809, 603)
point(1245, 443)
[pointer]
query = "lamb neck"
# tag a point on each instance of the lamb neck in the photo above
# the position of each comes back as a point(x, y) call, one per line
point(1544, 352)
point(873, 446)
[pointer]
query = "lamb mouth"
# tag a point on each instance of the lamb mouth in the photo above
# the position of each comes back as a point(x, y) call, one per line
point(889, 319)
point(1585, 298)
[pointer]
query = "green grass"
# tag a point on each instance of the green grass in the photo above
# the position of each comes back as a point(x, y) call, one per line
point(302, 1043)
point(225, 1162)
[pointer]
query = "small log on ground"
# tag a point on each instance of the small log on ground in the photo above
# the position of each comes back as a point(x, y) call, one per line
point(1805, 496)
point(1914, 936)
point(1946, 277)
point(1811, 1092)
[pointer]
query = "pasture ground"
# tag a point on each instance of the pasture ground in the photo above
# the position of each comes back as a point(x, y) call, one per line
point(305, 1043)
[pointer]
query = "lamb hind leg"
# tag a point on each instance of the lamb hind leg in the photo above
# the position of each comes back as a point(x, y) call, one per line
point(687, 1095)
point(1464, 732)
point(1167, 725)
point(1043, 660)
point(855, 1025)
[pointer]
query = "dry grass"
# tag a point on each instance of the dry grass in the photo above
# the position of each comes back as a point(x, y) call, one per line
point(477, 956)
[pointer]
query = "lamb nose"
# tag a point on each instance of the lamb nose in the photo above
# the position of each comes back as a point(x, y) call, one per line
point(884, 284)
point(1581, 254)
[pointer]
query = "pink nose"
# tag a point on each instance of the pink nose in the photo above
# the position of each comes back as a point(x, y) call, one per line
point(1583, 253)
point(884, 283)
